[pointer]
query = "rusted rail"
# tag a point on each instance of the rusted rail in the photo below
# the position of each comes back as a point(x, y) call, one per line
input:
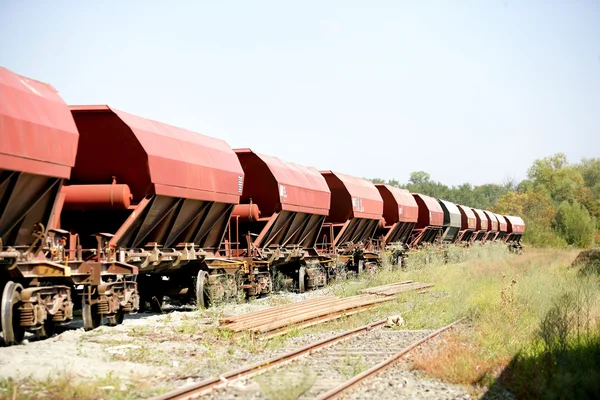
point(279, 320)
point(198, 389)
point(302, 314)
point(395, 288)
point(338, 390)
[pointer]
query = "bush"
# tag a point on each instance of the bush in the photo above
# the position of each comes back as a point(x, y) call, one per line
point(543, 237)
point(574, 224)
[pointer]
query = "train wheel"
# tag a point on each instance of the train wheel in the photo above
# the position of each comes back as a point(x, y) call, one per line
point(91, 316)
point(11, 327)
point(371, 267)
point(302, 279)
point(116, 319)
point(48, 329)
point(202, 296)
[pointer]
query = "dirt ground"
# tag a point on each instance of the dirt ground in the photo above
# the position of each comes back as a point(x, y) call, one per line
point(167, 349)
point(152, 353)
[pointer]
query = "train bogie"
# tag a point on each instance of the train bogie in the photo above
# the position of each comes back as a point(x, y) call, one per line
point(107, 211)
point(276, 226)
point(162, 194)
point(41, 266)
point(350, 228)
point(430, 224)
point(400, 215)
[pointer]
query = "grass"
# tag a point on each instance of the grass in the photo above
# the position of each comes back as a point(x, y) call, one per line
point(532, 320)
point(287, 384)
point(67, 387)
point(530, 314)
point(351, 365)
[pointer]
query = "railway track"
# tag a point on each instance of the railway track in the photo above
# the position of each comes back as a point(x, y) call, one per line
point(334, 364)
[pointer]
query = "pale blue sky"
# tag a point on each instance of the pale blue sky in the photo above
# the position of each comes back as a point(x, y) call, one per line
point(369, 88)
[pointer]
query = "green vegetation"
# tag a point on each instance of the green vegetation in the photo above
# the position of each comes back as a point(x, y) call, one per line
point(574, 224)
point(350, 365)
point(559, 201)
point(534, 320)
point(287, 384)
point(535, 324)
point(67, 387)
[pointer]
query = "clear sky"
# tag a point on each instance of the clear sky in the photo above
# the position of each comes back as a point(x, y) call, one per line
point(465, 90)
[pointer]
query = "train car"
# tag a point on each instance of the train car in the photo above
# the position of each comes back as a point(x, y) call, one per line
point(452, 222)
point(39, 272)
point(468, 224)
point(158, 197)
point(492, 231)
point(350, 228)
point(502, 227)
point(515, 231)
point(481, 225)
point(400, 215)
point(276, 225)
point(430, 223)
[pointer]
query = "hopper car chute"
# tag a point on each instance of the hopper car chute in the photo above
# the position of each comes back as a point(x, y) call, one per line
point(40, 265)
point(492, 226)
point(430, 223)
point(502, 227)
point(481, 225)
point(467, 226)
point(349, 230)
point(183, 187)
point(276, 226)
point(515, 231)
point(452, 222)
point(400, 215)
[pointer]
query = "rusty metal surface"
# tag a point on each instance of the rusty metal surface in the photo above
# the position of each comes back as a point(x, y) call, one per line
point(492, 221)
point(468, 218)
point(210, 384)
point(28, 200)
point(398, 204)
point(97, 197)
point(276, 185)
point(502, 225)
point(246, 212)
point(481, 220)
point(352, 197)
point(515, 224)
point(430, 211)
point(37, 132)
point(337, 391)
point(153, 157)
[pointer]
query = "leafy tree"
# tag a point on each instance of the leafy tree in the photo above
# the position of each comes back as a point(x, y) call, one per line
point(542, 170)
point(590, 171)
point(574, 224)
point(538, 213)
point(419, 177)
point(551, 184)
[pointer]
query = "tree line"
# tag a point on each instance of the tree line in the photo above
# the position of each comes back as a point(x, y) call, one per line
point(559, 201)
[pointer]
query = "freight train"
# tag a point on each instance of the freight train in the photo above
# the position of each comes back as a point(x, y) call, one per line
point(109, 212)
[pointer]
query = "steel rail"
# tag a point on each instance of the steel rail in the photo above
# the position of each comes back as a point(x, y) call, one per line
point(338, 390)
point(207, 385)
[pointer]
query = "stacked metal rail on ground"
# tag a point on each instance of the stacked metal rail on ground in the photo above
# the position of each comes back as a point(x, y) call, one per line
point(395, 288)
point(281, 319)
